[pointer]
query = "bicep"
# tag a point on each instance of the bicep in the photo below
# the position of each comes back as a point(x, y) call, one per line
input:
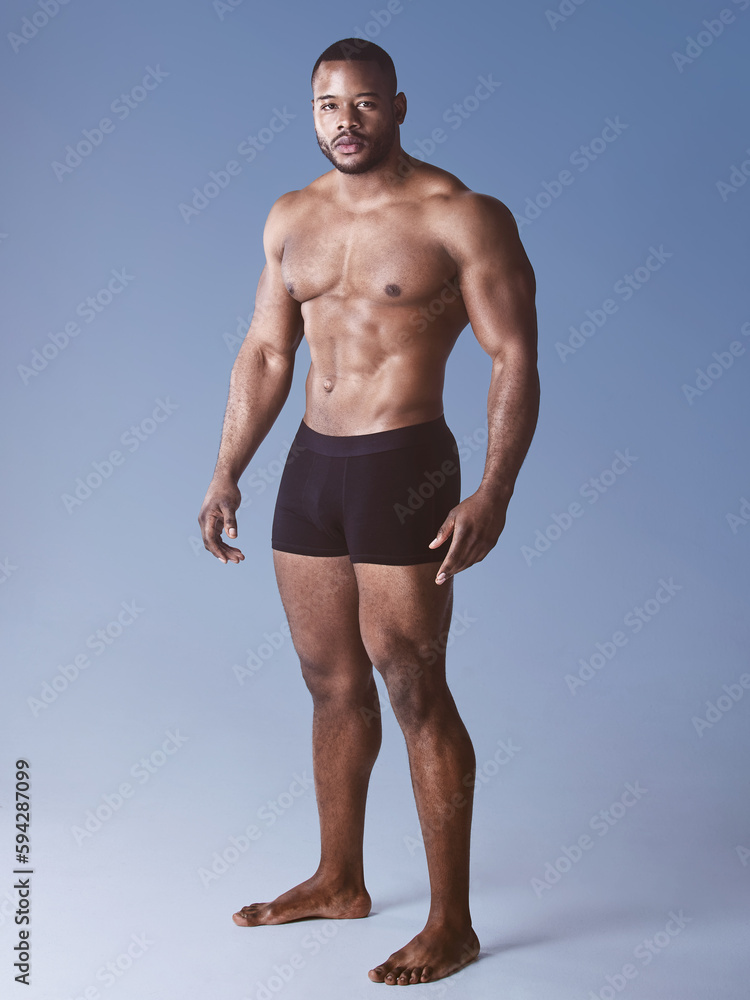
point(497, 281)
point(276, 326)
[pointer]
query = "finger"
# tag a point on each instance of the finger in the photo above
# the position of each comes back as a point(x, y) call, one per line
point(226, 553)
point(448, 567)
point(211, 532)
point(213, 542)
point(230, 554)
point(469, 551)
point(445, 529)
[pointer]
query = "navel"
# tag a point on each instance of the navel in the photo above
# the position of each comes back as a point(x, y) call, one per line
point(393, 290)
point(328, 384)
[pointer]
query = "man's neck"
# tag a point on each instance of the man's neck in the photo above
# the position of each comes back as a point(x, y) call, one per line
point(377, 185)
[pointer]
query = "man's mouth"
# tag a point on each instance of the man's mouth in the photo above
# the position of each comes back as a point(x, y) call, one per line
point(349, 143)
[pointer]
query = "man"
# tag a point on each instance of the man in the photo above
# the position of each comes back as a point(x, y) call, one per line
point(380, 263)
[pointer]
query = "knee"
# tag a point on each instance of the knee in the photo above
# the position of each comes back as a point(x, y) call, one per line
point(336, 681)
point(414, 691)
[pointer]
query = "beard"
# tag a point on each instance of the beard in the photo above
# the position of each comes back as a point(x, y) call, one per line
point(375, 151)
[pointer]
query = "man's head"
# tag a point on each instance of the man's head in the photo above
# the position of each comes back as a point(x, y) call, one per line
point(354, 98)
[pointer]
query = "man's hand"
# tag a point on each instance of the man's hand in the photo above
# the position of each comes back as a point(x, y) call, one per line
point(475, 524)
point(217, 514)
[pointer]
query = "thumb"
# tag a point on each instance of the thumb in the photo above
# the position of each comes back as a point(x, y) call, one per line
point(230, 521)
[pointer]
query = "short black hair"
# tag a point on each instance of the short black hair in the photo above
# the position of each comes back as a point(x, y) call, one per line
point(358, 50)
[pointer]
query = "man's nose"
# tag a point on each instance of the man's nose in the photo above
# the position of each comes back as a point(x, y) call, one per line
point(348, 117)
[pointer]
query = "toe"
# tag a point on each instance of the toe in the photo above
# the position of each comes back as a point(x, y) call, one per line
point(426, 974)
point(243, 917)
point(377, 975)
point(415, 975)
point(391, 977)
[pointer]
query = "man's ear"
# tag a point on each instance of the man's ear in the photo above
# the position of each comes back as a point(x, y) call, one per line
point(401, 115)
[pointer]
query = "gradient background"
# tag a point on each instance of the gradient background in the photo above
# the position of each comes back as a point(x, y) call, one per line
point(172, 335)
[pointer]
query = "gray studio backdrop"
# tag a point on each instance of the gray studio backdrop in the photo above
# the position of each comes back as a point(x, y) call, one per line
point(598, 654)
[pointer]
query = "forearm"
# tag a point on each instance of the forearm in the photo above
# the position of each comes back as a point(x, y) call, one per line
point(259, 386)
point(512, 413)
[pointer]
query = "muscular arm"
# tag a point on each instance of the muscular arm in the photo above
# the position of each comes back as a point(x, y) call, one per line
point(259, 386)
point(498, 286)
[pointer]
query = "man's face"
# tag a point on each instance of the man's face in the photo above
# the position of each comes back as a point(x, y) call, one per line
point(354, 115)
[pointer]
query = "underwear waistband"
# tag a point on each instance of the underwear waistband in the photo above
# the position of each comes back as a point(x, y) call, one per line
point(367, 444)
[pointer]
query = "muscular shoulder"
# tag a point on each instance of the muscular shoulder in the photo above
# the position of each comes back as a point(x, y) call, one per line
point(280, 220)
point(474, 226)
point(468, 217)
point(462, 217)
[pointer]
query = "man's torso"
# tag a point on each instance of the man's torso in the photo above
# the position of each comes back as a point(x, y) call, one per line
point(380, 300)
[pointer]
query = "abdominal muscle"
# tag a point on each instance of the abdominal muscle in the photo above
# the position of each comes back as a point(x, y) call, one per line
point(377, 377)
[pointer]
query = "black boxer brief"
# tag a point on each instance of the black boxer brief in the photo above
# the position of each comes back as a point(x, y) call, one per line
point(378, 498)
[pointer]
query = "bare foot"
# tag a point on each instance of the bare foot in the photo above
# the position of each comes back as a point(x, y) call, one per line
point(432, 954)
point(312, 898)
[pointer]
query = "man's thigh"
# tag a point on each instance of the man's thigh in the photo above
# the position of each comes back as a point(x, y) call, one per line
point(321, 600)
point(404, 616)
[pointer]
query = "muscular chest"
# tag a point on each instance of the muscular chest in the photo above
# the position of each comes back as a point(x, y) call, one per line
point(382, 259)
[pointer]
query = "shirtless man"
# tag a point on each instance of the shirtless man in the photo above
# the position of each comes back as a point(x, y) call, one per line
point(360, 262)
